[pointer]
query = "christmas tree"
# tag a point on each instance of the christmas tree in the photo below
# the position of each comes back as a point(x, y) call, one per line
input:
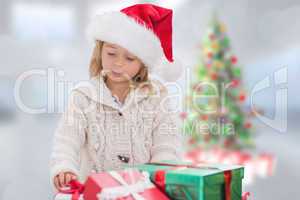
point(215, 114)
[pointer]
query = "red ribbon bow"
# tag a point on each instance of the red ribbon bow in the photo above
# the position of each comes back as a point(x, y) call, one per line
point(76, 189)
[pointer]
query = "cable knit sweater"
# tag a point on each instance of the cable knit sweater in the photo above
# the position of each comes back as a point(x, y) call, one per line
point(95, 133)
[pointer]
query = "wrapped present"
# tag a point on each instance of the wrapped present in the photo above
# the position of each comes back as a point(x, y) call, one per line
point(184, 181)
point(123, 185)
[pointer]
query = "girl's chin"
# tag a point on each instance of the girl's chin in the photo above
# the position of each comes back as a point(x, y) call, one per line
point(117, 78)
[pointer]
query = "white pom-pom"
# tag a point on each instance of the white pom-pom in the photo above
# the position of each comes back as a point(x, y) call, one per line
point(170, 71)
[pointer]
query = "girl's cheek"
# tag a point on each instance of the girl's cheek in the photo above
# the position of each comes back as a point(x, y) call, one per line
point(107, 63)
point(107, 58)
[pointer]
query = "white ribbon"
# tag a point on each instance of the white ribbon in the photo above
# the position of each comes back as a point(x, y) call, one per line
point(60, 196)
point(126, 190)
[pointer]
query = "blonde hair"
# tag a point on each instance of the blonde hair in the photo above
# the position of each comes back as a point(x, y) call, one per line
point(96, 65)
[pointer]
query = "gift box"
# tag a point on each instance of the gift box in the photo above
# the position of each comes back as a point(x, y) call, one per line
point(122, 185)
point(185, 181)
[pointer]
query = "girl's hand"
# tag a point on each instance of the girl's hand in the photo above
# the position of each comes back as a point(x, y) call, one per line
point(62, 179)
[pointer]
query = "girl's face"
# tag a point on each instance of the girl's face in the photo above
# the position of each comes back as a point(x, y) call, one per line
point(119, 64)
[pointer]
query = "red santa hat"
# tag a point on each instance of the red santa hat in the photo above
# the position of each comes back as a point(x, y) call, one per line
point(143, 29)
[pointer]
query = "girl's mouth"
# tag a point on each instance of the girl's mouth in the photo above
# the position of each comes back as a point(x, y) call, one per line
point(116, 74)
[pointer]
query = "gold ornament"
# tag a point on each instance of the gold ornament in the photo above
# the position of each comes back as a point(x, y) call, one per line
point(218, 64)
point(215, 46)
point(223, 28)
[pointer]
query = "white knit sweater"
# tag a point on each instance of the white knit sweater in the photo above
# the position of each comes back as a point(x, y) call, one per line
point(95, 131)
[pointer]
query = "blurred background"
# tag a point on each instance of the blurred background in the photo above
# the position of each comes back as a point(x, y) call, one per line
point(47, 38)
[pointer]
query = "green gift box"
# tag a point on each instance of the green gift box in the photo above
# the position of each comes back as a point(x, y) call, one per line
point(185, 181)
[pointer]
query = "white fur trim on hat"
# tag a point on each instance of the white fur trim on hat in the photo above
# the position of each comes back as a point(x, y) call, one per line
point(117, 28)
point(170, 71)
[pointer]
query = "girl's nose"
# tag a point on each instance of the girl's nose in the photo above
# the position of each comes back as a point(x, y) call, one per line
point(119, 62)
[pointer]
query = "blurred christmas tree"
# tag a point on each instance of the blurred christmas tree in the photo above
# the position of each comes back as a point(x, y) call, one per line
point(216, 114)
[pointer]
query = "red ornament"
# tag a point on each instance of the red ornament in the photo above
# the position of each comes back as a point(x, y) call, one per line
point(233, 59)
point(228, 143)
point(242, 97)
point(210, 54)
point(183, 115)
point(214, 76)
point(204, 117)
point(247, 125)
point(212, 37)
point(235, 83)
point(192, 141)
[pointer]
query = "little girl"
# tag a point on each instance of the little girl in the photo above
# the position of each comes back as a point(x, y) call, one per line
point(120, 117)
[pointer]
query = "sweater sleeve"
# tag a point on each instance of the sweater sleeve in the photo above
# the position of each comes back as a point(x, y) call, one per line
point(69, 137)
point(166, 136)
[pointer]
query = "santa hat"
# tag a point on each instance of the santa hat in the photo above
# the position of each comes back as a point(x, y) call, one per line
point(143, 29)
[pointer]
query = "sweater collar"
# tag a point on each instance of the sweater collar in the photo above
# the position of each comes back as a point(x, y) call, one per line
point(97, 90)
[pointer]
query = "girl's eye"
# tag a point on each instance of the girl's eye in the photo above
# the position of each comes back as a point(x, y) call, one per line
point(130, 59)
point(111, 54)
